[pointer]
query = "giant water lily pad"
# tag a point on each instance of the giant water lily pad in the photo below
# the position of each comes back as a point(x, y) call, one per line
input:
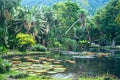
point(30, 60)
point(59, 69)
point(70, 61)
point(30, 70)
point(16, 58)
point(23, 68)
point(57, 62)
point(40, 71)
point(48, 67)
point(36, 61)
point(16, 62)
point(45, 62)
point(22, 65)
point(50, 59)
point(36, 65)
point(14, 68)
point(52, 72)
point(42, 58)
point(27, 63)
point(27, 57)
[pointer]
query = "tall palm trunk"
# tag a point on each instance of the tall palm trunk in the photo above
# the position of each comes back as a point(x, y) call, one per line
point(113, 42)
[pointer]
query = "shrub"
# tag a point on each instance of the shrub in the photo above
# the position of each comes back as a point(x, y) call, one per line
point(70, 44)
point(38, 47)
point(57, 44)
point(84, 44)
point(3, 50)
point(24, 41)
point(4, 66)
point(21, 75)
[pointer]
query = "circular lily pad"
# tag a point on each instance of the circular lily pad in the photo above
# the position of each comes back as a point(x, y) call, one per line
point(50, 59)
point(16, 58)
point(70, 61)
point(57, 62)
point(44, 62)
point(59, 69)
point(48, 67)
point(36, 61)
point(42, 58)
point(27, 57)
point(40, 71)
point(16, 62)
point(36, 65)
point(27, 63)
point(52, 72)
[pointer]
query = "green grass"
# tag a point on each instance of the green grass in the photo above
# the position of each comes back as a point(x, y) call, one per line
point(42, 78)
point(35, 77)
point(6, 75)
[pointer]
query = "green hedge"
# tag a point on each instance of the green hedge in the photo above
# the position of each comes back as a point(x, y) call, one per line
point(39, 47)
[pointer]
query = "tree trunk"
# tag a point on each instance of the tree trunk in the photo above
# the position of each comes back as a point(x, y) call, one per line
point(113, 42)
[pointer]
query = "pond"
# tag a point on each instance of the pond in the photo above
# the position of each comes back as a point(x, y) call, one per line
point(66, 66)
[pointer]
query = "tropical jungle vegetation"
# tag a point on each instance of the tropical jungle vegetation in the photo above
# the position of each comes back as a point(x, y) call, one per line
point(70, 25)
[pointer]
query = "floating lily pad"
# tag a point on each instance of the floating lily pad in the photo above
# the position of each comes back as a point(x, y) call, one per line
point(42, 58)
point(36, 61)
point(30, 70)
point(40, 71)
point(52, 72)
point(16, 62)
point(23, 68)
point(13, 68)
point(59, 69)
point(50, 59)
point(48, 67)
point(44, 62)
point(70, 61)
point(27, 63)
point(16, 58)
point(36, 65)
point(27, 57)
point(22, 65)
point(30, 60)
point(57, 62)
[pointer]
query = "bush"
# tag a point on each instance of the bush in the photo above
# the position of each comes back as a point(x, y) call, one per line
point(3, 50)
point(70, 44)
point(21, 75)
point(57, 44)
point(4, 66)
point(83, 44)
point(38, 47)
point(24, 41)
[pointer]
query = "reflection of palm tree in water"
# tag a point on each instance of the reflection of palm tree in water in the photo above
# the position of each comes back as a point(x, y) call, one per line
point(83, 66)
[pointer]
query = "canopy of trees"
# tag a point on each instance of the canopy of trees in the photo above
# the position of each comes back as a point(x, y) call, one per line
point(65, 24)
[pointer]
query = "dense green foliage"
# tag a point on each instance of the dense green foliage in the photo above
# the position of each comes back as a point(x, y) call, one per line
point(4, 66)
point(107, 21)
point(38, 47)
point(24, 41)
point(65, 24)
